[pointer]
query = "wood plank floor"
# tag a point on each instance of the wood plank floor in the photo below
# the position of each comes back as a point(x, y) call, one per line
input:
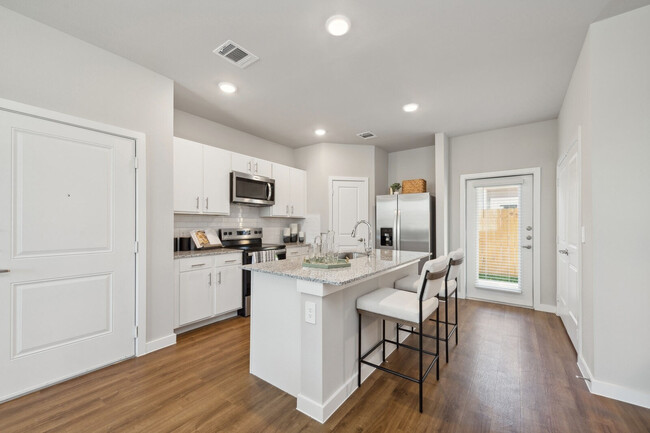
point(513, 371)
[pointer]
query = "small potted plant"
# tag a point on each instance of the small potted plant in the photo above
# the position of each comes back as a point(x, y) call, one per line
point(394, 188)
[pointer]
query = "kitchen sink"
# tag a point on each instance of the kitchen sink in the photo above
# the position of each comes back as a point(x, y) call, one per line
point(351, 255)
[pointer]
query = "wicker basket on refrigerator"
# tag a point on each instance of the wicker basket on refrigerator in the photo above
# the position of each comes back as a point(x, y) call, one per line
point(414, 186)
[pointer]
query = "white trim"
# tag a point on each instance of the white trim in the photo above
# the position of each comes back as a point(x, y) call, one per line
point(161, 343)
point(613, 391)
point(330, 194)
point(546, 308)
point(536, 172)
point(141, 198)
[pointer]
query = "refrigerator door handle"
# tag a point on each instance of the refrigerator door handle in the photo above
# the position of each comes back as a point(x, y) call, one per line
point(399, 230)
point(395, 230)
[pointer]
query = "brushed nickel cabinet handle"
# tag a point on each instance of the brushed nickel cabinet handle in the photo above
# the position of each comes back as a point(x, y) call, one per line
point(4, 271)
point(197, 201)
point(206, 203)
point(198, 264)
point(231, 261)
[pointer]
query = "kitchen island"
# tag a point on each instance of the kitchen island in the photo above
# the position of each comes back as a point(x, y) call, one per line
point(304, 325)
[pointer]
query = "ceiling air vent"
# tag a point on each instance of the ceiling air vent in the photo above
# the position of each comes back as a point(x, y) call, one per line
point(236, 54)
point(366, 135)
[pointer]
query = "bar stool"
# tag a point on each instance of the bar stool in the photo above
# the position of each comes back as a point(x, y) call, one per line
point(410, 308)
point(450, 288)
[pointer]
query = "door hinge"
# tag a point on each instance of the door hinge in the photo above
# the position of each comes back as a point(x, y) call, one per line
point(136, 247)
point(135, 162)
point(135, 332)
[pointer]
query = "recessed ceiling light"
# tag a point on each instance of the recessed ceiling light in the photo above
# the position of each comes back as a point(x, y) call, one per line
point(227, 87)
point(338, 25)
point(320, 132)
point(409, 108)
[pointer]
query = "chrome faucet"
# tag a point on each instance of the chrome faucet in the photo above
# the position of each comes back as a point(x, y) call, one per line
point(367, 247)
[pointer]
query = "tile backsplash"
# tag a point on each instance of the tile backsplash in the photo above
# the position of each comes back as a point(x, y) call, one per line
point(247, 216)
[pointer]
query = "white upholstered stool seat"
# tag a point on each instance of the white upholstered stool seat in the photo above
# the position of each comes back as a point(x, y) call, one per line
point(410, 284)
point(399, 305)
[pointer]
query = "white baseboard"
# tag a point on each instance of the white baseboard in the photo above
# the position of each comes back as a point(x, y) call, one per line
point(160, 343)
point(546, 308)
point(610, 390)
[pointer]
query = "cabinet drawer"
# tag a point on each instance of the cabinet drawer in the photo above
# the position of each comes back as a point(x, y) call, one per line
point(196, 263)
point(228, 259)
point(296, 252)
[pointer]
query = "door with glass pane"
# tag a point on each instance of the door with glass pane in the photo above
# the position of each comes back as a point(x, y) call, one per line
point(499, 217)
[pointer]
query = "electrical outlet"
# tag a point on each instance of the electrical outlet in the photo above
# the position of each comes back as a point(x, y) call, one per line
point(310, 312)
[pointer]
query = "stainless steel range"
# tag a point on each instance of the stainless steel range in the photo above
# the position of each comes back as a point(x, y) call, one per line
point(249, 240)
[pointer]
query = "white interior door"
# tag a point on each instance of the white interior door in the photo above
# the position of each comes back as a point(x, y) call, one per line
point(568, 240)
point(499, 218)
point(349, 205)
point(67, 234)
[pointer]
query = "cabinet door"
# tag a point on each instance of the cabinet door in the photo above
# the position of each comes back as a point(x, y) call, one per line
point(298, 200)
point(228, 293)
point(196, 295)
point(262, 167)
point(242, 163)
point(216, 181)
point(188, 176)
point(282, 176)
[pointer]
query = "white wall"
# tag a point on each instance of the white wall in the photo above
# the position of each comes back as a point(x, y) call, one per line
point(381, 172)
point(46, 68)
point(531, 145)
point(620, 155)
point(413, 164)
point(205, 131)
point(328, 159)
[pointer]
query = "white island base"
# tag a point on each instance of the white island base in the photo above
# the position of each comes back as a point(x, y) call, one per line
point(317, 362)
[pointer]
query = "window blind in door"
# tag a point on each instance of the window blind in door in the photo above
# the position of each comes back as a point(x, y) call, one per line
point(498, 237)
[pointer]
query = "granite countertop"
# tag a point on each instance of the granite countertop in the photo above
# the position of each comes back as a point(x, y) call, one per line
point(381, 260)
point(209, 252)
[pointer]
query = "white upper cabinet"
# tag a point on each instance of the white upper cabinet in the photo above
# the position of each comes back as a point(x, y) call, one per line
point(201, 178)
point(298, 193)
point(250, 165)
point(216, 181)
point(188, 176)
point(290, 193)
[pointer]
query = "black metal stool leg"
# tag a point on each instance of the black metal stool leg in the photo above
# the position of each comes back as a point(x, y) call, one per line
point(359, 372)
point(446, 330)
point(438, 343)
point(420, 333)
point(383, 340)
point(456, 314)
point(397, 334)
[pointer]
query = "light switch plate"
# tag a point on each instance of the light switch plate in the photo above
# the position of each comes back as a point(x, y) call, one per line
point(310, 312)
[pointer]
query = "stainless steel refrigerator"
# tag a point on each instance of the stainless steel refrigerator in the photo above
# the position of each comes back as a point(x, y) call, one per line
point(406, 222)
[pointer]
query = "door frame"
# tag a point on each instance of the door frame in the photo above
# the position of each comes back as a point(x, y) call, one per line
point(536, 173)
point(577, 141)
point(330, 193)
point(140, 164)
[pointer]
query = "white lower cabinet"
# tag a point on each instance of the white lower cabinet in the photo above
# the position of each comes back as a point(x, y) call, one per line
point(207, 286)
point(196, 296)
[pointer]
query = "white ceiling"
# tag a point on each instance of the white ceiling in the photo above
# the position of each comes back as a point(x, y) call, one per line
point(472, 65)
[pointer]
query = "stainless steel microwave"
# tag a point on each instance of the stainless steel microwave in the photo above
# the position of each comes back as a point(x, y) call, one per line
point(251, 189)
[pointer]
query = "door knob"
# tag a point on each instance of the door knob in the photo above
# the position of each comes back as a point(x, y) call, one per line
point(527, 246)
point(565, 252)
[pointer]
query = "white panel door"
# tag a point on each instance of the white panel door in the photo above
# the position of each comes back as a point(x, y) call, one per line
point(499, 218)
point(216, 181)
point(228, 292)
point(298, 193)
point(568, 243)
point(188, 176)
point(349, 205)
point(67, 234)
